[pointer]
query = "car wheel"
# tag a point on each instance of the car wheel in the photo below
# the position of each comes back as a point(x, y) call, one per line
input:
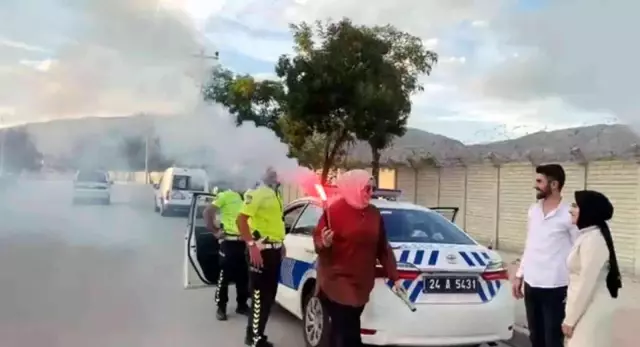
point(315, 322)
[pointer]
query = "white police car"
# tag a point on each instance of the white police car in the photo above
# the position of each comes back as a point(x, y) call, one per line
point(460, 288)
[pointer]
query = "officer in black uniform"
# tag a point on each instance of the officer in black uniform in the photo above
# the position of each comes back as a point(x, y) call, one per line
point(262, 213)
point(233, 262)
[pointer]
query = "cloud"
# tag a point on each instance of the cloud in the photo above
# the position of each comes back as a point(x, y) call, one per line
point(581, 52)
point(21, 45)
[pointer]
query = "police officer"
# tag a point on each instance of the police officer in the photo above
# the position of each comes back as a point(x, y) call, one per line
point(262, 213)
point(233, 261)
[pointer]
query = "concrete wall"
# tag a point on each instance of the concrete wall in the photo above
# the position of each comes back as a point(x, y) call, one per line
point(493, 200)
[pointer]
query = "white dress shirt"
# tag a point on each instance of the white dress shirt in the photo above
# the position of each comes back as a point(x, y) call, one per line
point(548, 244)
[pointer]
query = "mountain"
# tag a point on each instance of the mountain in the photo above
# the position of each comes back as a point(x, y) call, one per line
point(595, 142)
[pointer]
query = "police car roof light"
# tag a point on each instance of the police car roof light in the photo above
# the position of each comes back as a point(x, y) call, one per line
point(386, 194)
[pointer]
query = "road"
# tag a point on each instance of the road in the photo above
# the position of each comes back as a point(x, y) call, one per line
point(104, 276)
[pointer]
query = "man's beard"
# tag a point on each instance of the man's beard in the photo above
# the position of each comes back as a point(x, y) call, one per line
point(542, 194)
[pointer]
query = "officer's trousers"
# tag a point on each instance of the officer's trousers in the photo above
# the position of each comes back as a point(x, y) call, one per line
point(233, 267)
point(264, 285)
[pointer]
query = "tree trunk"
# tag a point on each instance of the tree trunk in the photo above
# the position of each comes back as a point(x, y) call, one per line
point(375, 165)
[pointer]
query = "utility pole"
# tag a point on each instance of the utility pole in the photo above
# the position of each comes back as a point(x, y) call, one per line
point(204, 57)
point(146, 158)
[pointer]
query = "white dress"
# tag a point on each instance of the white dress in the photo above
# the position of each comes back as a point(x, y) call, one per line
point(589, 307)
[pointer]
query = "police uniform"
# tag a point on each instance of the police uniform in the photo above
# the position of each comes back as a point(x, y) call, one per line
point(233, 262)
point(264, 206)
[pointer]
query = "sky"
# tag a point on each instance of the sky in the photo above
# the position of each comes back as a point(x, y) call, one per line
point(507, 67)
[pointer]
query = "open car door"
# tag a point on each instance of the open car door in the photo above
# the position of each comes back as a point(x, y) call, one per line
point(448, 212)
point(201, 248)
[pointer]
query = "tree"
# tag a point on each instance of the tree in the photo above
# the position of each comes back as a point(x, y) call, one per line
point(325, 82)
point(246, 98)
point(388, 98)
point(19, 150)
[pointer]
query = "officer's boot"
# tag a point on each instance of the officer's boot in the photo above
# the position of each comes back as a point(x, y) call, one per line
point(221, 313)
point(262, 342)
point(243, 309)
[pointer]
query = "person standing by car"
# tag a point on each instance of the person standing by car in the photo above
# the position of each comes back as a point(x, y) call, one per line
point(594, 276)
point(543, 272)
point(263, 210)
point(349, 239)
point(233, 261)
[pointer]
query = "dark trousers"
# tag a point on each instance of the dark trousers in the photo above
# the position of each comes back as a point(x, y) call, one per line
point(264, 285)
point(345, 323)
point(233, 267)
point(545, 313)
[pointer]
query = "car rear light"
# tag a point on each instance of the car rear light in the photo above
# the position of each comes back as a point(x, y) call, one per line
point(368, 331)
point(495, 275)
point(495, 270)
point(402, 274)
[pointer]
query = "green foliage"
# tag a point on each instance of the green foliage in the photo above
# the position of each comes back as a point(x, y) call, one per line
point(246, 98)
point(343, 83)
point(326, 80)
point(388, 100)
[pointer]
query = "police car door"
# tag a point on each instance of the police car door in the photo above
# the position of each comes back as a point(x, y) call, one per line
point(298, 264)
point(200, 247)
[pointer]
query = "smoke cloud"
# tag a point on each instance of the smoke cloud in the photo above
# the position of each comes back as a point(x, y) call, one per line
point(126, 57)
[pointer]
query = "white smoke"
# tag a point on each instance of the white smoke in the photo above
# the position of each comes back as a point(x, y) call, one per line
point(127, 57)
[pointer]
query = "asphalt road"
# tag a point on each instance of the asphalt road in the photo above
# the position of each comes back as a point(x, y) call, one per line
point(104, 276)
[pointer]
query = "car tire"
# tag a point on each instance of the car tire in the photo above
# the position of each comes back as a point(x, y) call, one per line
point(316, 324)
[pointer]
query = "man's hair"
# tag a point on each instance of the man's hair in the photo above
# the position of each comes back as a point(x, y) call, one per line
point(553, 172)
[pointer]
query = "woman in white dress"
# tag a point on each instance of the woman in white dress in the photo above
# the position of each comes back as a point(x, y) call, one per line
point(594, 277)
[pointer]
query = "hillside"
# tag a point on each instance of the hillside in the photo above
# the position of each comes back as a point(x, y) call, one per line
point(595, 142)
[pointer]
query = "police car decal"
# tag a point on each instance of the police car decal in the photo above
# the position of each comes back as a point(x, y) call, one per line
point(292, 271)
point(422, 258)
point(446, 258)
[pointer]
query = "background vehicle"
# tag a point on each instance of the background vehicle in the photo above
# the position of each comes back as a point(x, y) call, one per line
point(92, 186)
point(173, 193)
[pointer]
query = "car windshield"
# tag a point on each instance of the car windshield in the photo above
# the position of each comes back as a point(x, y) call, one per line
point(92, 176)
point(404, 225)
point(192, 183)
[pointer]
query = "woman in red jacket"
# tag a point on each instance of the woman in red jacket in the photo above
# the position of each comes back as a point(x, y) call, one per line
point(348, 250)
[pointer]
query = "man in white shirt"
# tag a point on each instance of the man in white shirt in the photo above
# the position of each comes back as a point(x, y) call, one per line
point(543, 276)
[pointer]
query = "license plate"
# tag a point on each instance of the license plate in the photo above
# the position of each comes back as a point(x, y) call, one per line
point(450, 285)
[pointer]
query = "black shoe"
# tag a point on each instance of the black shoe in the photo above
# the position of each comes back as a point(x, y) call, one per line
point(243, 309)
point(262, 342)
point(221, 314)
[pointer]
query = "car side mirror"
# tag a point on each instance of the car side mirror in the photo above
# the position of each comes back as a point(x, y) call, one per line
point(490, 245)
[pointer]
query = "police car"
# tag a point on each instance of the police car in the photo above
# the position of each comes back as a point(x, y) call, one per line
point(460, 289)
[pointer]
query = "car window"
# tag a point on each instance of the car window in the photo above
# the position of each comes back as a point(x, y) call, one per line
point(193, 183)
point(92, 176)
point(404, 225)
point(291, 215)
point(308, 220)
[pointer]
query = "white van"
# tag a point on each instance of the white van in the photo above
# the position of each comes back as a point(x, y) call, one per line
point(173, 193)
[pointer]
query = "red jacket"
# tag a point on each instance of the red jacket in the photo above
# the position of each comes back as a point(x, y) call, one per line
point(346, 269)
